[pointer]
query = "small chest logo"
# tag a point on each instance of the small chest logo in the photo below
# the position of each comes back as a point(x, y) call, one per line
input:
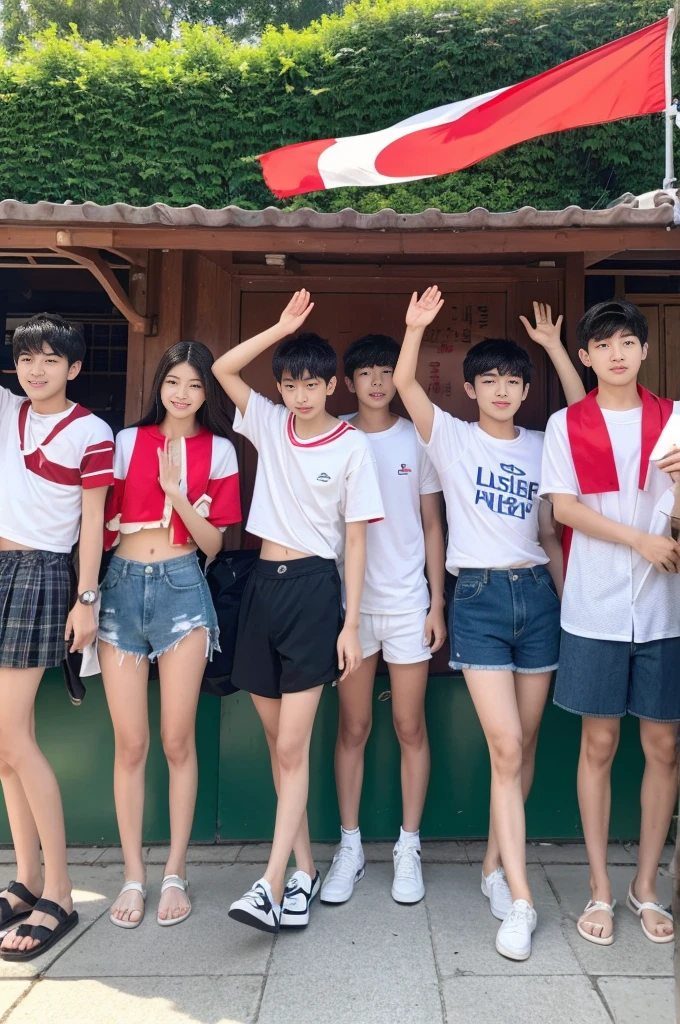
point(323, 478)
point(403, 470)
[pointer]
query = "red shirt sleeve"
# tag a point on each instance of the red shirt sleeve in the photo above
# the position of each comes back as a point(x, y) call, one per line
point(223, 486)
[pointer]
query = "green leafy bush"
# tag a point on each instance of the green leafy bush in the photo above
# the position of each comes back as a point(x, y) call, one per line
point(181, 122)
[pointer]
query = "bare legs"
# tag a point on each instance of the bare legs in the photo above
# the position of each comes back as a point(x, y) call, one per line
point(181, 671)
point(531, 692)
point(33, 799)
point(599, 741)
point(355, 696)
point(295, 721)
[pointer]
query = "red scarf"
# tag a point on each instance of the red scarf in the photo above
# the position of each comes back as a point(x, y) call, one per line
point(591, 446)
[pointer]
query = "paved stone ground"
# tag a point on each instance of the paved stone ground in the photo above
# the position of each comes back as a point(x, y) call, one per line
point(367, 962)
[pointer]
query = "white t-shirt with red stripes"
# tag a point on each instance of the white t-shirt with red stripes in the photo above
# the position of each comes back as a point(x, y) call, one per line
point(306, 490)
point(46, 461)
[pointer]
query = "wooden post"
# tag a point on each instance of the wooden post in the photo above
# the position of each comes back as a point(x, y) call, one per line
point(574, 300)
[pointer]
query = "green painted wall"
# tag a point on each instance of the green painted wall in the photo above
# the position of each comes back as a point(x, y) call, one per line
point(236, 796)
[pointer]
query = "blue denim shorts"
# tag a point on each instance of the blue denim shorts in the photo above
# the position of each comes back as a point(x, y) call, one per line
point(148, 608)
point(505, 619)
point(612, 678)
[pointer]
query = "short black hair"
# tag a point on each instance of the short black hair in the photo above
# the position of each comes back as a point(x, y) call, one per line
point(498, 354)
point(369, 351)
point(305, 353)
point(606, 318)
point(64, 338)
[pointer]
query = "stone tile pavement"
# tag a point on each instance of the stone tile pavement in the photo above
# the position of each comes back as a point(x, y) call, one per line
point(367, 962)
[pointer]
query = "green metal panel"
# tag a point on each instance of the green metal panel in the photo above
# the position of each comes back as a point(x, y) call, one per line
point(457, 802)
point(236, 796)
point(79, 745)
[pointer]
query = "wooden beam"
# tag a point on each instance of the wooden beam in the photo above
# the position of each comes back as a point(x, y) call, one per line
point(135, 257)
point(92, 261)
point(134, 384)
point(574, 301)
point(596, 257)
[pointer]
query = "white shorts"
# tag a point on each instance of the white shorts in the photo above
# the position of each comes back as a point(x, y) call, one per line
point(399, 636)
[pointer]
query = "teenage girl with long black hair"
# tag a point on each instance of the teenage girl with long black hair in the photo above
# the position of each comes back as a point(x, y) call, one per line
point(176, 489)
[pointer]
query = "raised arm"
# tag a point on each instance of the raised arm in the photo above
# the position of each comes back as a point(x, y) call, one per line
point(421, 312)
point(547, 334)
point(228, 367)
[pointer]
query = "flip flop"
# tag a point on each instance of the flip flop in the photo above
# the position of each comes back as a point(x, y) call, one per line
point(634, 904)
point(9, 915)
point(47, 937)
point(130, 887)
point(174, 882)
point(590, 908)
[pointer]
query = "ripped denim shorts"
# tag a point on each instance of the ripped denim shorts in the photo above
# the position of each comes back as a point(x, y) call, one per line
point(149, 608)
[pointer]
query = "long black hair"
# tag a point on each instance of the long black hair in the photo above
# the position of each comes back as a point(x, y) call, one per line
point(213, 414)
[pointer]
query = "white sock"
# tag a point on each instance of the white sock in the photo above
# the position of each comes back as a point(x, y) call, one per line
point(350, 837)
point(409, 837)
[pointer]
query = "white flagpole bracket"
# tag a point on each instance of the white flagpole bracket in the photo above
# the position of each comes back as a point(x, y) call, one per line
point(671, 111)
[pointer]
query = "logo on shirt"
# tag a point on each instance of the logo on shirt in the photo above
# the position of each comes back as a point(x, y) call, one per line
point(323, 477)
point(404, 470)
point(509, 493)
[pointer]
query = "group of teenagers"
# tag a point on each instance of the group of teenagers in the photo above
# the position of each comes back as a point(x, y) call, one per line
point(560, 546)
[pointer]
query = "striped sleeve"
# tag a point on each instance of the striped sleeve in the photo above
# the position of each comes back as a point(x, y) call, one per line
point(96, 465)
point(223, 486)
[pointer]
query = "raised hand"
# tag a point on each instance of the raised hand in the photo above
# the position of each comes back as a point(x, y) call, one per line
point(545, 333)
point(296, 312)
point(422, 311)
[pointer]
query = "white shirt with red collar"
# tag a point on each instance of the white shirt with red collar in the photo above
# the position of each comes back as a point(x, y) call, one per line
point(46, 461)
point(306, 490)
point(208, 477)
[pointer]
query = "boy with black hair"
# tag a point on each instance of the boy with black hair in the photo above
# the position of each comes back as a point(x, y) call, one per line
point(316, 490)
point(620, 644)
point(504, 618)
point(57, 463)
point(398, 616)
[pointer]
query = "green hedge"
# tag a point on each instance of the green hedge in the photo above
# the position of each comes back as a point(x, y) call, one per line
point(182, 122)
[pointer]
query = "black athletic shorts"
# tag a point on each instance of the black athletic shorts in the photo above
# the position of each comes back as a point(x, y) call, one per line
point(290, 619)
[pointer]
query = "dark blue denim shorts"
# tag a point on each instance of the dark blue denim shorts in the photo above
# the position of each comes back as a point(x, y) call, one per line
point(612, 678)
point(148, 608)
point(505, 619)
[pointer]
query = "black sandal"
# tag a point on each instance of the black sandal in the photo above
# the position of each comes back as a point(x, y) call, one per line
point(46, 936)
point(9, 915)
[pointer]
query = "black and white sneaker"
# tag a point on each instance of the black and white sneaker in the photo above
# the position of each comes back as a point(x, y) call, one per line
point(299, 892)
point(257, 908)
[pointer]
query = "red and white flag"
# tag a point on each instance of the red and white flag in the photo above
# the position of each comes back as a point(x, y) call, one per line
point(626, 78)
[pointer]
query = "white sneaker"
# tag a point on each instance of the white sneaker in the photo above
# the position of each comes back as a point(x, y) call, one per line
point(408, 873)
point(257, 908)
point(496, 889)
point(297, 896)
point(346, 870)
point(514, 935)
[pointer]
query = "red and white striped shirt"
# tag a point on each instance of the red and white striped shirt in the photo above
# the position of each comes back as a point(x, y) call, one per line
point(46, 461)
point(208, 477)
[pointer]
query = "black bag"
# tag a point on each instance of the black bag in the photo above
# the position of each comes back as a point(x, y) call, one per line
point(70, 666)
point(226, 576)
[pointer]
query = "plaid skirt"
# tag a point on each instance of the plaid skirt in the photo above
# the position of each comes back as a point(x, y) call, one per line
point(35, 590)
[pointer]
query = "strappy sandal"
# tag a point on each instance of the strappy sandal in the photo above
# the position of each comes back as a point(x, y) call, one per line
point(634, 904)
point(10, 915)
point(130, 887)
point(46, 937)
point(590, 908)
point(174, 882)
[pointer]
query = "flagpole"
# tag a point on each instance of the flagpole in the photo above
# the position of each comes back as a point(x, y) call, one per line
point(671, 111)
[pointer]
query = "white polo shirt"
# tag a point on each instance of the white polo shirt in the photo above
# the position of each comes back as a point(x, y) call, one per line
point(610, 591)
point(46, 461)
point(491, 491)
point(306, 490)
point(395, 581)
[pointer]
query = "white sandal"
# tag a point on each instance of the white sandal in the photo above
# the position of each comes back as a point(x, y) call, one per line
point(174, 882)
point(130, 887)
point(590, 908)
point(634, 904)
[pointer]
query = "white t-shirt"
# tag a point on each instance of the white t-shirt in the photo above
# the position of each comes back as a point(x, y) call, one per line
point(491, 492)
point(395, 582)
point(306, 490)
point(610, 591)
point(46, 461)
